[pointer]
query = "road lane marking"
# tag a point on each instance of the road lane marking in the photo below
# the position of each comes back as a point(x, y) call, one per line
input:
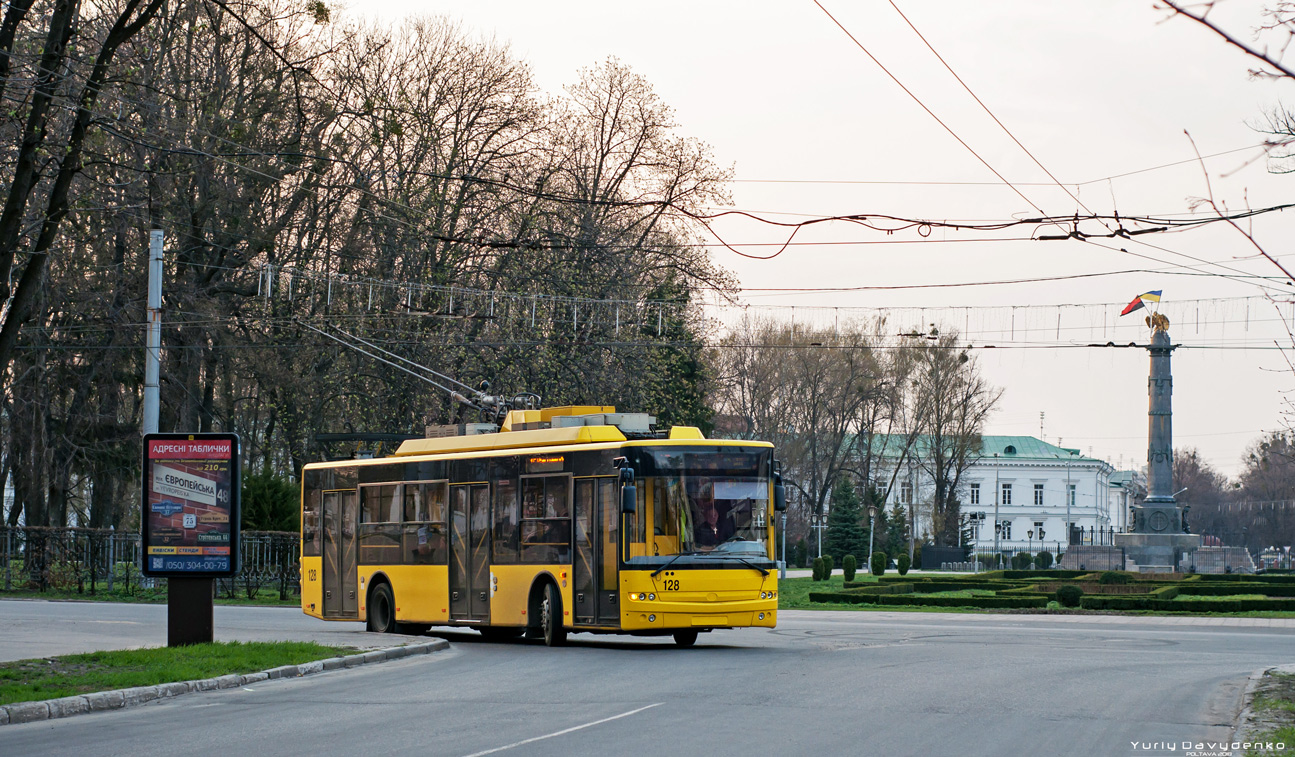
point(564, 731)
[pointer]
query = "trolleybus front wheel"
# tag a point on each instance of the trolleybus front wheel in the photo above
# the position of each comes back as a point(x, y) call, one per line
point(555, 634)
point(685, 638)
point(382, 610)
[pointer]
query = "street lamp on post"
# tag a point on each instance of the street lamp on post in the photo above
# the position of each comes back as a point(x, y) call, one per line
point(998, 526)
point(872, 514)
point(1030, 540)
point(1069, 496)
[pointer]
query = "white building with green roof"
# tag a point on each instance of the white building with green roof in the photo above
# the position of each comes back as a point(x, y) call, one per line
point(1023, 484)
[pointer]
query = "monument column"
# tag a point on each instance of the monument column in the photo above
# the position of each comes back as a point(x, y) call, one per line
point(1157, 542)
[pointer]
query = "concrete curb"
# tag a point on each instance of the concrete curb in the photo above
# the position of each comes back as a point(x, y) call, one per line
point(1246, 720)
point(1247, 698)
point(29, 712)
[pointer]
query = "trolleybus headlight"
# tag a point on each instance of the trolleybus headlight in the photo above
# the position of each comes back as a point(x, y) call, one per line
point(761, 616)
point(651, 597)
point(651, 618)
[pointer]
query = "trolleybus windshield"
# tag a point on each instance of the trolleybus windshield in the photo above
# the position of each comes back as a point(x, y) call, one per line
point(712, 502)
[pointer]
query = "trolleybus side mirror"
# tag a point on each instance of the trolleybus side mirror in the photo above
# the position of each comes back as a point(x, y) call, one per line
point(629, 493)
point(779, 494)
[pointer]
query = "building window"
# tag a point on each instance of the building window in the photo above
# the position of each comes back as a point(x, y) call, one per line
point(1072, 495)
point(975, 494)
point(1005, 529)
point(1007, 494)
point(1038, 494)
point(1038, 530)
point(906, 492)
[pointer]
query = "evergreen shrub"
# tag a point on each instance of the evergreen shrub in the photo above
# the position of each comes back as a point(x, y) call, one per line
point(1043, 560)
point(818, 574)
point(878, 566)
point(1070, 596)
point(1114, 577)
point(848, 567)
point(903, 564)
point(829, 564)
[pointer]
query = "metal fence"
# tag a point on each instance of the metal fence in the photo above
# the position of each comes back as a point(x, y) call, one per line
point(95, 561)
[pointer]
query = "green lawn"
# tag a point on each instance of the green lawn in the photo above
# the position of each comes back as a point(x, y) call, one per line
point(793, 593)
point(960, 593)
point(1229, 598)
point(1275, 702)
point(34, 680)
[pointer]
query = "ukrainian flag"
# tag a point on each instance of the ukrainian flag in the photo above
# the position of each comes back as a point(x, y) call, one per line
point(1141, 300)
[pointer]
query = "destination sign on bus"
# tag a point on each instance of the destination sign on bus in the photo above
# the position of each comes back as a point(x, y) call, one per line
point(190, 505)
point(545, 464)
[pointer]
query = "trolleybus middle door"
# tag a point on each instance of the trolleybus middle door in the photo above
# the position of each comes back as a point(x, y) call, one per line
point(469, 552)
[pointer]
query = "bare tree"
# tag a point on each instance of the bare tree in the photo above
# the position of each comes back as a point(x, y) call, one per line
point(805, 393)
point(951, 401)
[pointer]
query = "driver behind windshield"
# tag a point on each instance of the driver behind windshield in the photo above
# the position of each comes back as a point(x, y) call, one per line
point(711, 527)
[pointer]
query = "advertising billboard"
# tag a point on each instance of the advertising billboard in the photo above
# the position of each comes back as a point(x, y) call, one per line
point(191, 505)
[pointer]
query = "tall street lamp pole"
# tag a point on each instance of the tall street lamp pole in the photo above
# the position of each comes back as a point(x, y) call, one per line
point(996, 521)
point(872, 514)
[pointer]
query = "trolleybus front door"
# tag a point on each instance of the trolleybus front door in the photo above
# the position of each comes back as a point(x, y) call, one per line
point(469, 552)
point(341, 511)
point(609, 518)
point(595, 554)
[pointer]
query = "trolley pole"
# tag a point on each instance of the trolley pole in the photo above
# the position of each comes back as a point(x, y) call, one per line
point(153, 349)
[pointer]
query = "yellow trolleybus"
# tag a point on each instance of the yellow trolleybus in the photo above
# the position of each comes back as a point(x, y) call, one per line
point(573, 519)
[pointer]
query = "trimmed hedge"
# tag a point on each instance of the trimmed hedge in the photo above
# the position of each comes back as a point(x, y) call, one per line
point(1037, 574)
point(1223, 589)
point(880, 589)
point(984, 603)
point(1169, 605)
point(1244, 577)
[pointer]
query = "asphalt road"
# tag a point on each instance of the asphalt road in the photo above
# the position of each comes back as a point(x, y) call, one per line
point(821, 683)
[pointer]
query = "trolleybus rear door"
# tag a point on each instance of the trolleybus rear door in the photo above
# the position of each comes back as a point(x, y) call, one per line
point(341, 511)
point(470, 552)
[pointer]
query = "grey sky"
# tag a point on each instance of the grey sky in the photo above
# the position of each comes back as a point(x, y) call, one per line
point(1092, 89)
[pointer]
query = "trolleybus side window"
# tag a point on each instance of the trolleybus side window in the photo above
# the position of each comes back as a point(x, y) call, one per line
point(380, 508)
point(424, 529)
point(546, 519)
point(506, 521)
point(311, 546)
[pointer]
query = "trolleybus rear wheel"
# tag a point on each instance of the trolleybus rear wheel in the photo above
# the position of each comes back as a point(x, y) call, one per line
point(555, 634)
point(685, 638)
point(382, 610)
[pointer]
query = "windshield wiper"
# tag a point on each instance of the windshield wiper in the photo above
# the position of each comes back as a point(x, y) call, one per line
point(751, 565)
point(671, 562)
